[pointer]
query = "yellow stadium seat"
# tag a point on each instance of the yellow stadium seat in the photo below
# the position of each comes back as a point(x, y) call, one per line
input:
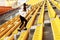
point(39, 29)
point(55, 30)
point(51, 12)
point(38, 33)
point(40, 20)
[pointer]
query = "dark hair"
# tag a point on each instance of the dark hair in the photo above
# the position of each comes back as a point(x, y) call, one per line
point(24, 4)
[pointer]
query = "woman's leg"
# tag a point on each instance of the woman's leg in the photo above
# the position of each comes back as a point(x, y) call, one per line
point(21, 24)
point(25, 23)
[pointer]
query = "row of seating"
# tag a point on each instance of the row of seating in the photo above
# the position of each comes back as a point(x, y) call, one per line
point(52, 14)
point(6, 25)
point(56, 4)
point(55, 22)
point(10, 28)
point(38, 34)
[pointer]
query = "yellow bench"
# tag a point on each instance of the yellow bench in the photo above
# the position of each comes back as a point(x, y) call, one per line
point(39, 29)
point(8, 22)
point(55, 28)
point(51, 12)
point(7, 29)
point(38, 33)
point(5, 25)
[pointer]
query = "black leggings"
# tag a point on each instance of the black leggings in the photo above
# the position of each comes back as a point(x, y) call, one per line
point(22, 21)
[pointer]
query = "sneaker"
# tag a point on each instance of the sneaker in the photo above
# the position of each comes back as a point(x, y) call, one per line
point(25, 28)
point(19, 30)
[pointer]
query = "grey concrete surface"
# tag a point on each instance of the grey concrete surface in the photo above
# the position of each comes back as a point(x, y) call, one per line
point(31, 34)
point(48, 35)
